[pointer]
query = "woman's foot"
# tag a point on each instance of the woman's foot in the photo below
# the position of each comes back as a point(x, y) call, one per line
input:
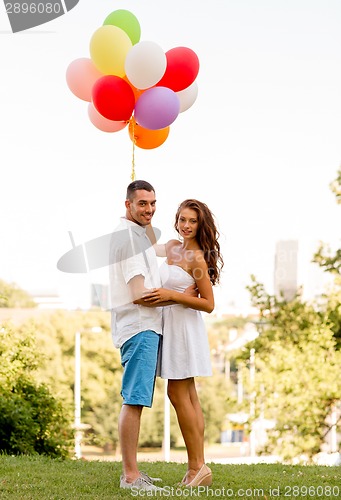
point(203, 477)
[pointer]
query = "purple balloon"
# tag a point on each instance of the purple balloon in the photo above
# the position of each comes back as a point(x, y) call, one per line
point(157, 108)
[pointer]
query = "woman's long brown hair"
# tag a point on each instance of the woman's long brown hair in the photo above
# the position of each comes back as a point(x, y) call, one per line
point(207, 237)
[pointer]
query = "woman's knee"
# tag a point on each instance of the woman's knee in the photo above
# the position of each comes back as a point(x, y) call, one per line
point(175, 393)
point(172, 393)
point(178, 392)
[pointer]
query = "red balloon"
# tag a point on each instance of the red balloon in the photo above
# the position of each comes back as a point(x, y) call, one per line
point(182, 69)
point(113, 98)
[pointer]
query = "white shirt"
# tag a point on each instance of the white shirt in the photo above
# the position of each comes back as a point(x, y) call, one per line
point(131, 254)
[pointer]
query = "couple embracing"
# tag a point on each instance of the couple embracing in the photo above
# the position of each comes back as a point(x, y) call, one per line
point(157, 323)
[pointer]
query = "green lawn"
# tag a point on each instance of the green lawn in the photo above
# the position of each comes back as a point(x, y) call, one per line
point(42, 478)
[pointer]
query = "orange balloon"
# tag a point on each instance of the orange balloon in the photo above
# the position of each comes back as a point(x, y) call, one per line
point(146, 138)
point(137, 92)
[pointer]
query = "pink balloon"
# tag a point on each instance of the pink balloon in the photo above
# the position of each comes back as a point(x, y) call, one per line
point(103, 123)
point(81, 75)
point(157, 108)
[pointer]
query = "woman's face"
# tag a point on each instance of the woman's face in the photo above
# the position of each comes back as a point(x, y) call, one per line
point(188, 223)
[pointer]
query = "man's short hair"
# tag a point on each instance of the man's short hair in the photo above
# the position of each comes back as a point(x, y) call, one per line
point(136, 185)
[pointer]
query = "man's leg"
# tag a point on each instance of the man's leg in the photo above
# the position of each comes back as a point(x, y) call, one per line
point(139, 358)
point(129, 429)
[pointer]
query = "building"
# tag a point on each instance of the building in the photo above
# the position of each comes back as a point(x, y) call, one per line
point(285, 269)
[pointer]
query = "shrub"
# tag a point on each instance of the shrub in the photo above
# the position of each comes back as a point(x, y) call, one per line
point(32, 420)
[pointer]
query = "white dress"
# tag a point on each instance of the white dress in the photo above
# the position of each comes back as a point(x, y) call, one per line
point(185, 349)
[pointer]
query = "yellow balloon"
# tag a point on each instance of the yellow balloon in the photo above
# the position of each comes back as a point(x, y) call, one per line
point(109, 46)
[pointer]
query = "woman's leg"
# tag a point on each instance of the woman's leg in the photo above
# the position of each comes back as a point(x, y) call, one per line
point(198, 411)
point(184, 398)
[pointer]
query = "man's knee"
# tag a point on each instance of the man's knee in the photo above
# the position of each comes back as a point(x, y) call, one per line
point(132, 408)
point(131, 412)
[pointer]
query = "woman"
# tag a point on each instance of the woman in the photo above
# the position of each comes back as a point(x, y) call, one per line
point(185, 350)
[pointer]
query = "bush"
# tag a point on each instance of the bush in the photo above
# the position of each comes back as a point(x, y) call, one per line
point(32, 420)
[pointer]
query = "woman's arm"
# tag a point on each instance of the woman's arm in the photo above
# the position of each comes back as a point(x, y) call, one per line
point(160, 248)
point(151, 234)
point(191, 291)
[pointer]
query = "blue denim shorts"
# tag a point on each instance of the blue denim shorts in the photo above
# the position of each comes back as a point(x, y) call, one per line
point(139, 357)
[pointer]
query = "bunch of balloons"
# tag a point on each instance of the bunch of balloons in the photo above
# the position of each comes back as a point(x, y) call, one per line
point(132, 83)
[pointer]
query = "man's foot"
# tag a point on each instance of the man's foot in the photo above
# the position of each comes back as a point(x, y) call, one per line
point(150, 479)
point(141, 483)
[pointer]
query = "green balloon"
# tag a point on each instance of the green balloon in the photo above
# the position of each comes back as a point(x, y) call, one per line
point(127, 22)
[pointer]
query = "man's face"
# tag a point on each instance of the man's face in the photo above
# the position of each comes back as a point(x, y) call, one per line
point(141, 208)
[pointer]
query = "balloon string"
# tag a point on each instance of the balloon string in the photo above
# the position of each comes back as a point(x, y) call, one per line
point(133, 175)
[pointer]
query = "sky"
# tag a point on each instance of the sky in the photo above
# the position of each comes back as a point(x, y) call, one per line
point(260, 145)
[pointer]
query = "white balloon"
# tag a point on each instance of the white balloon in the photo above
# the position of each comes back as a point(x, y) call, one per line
point(145, 64)
point(187, 97)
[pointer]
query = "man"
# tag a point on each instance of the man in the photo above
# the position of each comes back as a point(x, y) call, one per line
point(136, 329)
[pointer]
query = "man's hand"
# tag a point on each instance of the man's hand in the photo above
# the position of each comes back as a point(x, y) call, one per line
point(192, 291)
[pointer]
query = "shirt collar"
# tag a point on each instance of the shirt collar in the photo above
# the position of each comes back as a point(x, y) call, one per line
point(140, 230)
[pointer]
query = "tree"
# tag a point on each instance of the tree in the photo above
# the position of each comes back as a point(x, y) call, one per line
point(331, 263)
point(335, 186)
point(297, 366)
point(323, 255)
point(13, 296)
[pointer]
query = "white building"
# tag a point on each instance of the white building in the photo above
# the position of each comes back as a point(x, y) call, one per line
point(285, 271)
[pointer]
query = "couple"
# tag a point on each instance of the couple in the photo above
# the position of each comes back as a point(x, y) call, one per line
point(147, 303)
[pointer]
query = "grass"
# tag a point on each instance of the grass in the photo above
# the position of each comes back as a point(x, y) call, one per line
point(41, 478)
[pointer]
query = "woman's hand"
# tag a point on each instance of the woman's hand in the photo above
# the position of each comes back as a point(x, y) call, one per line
point(157, 295)
point(163, 295)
